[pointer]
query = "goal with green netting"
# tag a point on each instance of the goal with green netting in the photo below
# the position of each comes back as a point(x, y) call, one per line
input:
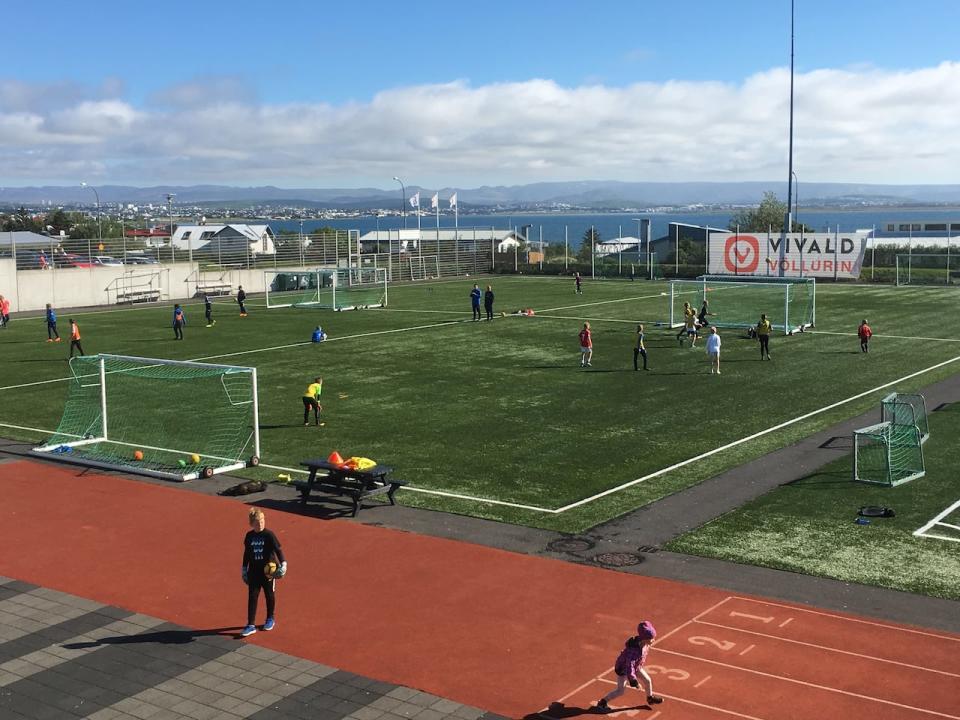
point(790, 304)
point(887, 454)
point(906, 409)
point(165, 418)
point(330, 288)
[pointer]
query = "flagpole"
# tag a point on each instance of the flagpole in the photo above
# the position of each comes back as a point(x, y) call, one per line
point(456, 232)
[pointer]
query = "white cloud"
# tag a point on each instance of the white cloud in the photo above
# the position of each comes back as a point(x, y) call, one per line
point(852, 125)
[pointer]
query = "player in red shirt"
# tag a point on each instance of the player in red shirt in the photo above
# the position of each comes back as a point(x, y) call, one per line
point(586, 346)
point(865, 333)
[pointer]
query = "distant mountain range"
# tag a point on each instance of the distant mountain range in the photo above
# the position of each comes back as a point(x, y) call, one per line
point(583, 194)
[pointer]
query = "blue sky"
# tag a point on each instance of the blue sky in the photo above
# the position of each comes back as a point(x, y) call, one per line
point(148, 67)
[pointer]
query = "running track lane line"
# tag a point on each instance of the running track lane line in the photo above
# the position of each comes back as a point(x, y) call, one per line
point(827, 688)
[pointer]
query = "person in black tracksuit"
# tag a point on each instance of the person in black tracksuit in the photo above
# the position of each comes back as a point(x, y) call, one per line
point(260, 546)
point(241, 299)
point(488, 302)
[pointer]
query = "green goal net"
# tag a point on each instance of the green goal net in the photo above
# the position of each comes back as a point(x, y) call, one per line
point(165, 418)
point(887, 454)
point(330, 288)
point(906, 409)
point(928, 268)
point(789, 303)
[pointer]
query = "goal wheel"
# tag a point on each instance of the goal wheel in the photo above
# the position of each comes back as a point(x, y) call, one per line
point(206, 473)
point(253, 461)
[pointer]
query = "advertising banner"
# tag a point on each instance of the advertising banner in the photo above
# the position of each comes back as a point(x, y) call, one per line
point(818, 255)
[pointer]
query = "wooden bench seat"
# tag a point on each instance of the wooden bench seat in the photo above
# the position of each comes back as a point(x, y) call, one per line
point(214, 289)
point(138, 296)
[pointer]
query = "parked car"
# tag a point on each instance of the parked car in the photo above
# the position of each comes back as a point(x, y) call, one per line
point(71, 260)
point(140, 260)
point(106, 260)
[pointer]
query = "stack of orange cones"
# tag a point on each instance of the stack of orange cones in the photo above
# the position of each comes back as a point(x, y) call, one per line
point(334, 458)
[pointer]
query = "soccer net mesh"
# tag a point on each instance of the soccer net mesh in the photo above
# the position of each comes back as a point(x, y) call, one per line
point(887, 454)
point(165, 418)
point(329, 288)
point(906, 409)
point(789, 303)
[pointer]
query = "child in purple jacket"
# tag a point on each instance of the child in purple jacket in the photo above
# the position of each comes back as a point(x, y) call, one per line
point(629, 666)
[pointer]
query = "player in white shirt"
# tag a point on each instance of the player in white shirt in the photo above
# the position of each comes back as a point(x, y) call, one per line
point(713, 350)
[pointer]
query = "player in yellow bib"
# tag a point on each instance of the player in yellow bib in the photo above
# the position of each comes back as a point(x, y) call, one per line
point(311, 399)
point(763, 335)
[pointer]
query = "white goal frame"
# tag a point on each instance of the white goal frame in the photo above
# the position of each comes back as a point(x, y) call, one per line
point(785, 284)
point(52, 451)
point(420, 264)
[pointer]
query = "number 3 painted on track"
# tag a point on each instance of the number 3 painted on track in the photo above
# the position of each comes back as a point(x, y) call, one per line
point(669, 673)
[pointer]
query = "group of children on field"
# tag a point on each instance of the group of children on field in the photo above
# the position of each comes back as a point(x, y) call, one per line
point(693, 322)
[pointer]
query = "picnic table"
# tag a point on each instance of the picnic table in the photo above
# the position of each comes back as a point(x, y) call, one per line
point(353, 483)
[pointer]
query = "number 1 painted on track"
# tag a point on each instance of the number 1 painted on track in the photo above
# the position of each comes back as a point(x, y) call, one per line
point(761, 618)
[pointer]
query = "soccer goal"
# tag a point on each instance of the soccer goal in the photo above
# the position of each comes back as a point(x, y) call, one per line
point(927, 269)
point(423, 267)
point(289, 288)
point(887, 454)
point(906, 409)
point(329, 288)
point(790, 304)
point(165, 418)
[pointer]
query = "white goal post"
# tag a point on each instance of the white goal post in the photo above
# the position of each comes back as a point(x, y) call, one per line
point(330, 288)
point(790, 304)
point(170, 419)
point(424, 267)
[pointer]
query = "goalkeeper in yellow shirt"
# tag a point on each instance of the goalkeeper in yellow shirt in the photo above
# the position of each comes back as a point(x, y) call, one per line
point(311, 399)
point(763, 335)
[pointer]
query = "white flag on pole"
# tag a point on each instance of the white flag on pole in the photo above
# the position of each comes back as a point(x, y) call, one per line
point(453, 200)
point(415, 200)
point(435, 200)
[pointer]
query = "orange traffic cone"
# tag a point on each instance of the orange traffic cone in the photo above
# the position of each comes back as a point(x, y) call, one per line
point(334, 458)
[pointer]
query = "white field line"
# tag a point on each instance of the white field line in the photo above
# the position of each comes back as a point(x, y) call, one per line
point(267, 349)
point(834, 616)
point(601, 302)
point(578, 503)
point(828, 648)
point(441, 493)
point(891, 337)
point(923, 532)
point(690, 702)
point(748, 438)
point(804, 683)
point(591, 319)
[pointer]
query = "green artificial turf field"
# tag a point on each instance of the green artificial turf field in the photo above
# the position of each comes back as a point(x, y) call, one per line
point(497, 419)
point(808, 525)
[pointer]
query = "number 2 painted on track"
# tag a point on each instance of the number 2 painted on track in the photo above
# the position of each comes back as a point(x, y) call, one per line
point(722, 644)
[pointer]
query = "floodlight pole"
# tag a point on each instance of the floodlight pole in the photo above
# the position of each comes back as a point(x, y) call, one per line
point(173, 256)
point(99, 226)
point(403, 203)
point(788, 222)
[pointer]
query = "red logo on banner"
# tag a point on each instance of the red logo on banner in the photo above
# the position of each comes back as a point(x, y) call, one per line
point(741, 254)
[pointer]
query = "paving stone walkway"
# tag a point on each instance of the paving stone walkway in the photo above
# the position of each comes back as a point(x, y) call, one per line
point(63, 656)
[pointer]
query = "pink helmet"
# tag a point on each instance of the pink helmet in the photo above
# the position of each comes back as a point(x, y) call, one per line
point(646, 630)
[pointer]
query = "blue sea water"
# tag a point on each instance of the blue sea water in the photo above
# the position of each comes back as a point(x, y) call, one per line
point(612, 225)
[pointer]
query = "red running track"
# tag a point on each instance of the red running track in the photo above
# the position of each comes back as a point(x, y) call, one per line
point(515, 634)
